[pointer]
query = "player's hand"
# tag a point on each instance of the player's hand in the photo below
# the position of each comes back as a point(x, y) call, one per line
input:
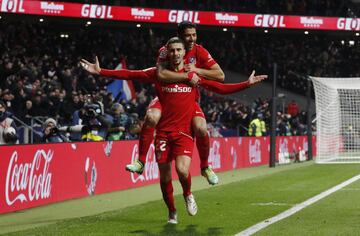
point(190, 67)
point(90, 67)
point(253, 79)
point(195, 80)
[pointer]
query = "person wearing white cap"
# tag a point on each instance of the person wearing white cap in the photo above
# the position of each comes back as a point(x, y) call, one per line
point(51, 132)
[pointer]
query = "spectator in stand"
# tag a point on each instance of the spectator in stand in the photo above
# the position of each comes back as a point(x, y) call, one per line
point(257, 126)
point(293, 108)
point(8, 129)
point(284, 127)
point(51, 133)
point(119, 124)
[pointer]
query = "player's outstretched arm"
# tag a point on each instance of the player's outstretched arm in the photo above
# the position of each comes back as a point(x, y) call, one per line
point(221, 88)
point(213, 73)
point(122, 74)
point(167, 76)
point(253, 79)
point(90, 67)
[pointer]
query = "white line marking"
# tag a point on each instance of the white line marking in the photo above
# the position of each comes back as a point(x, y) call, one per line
point(271, 204)
point(255, 228)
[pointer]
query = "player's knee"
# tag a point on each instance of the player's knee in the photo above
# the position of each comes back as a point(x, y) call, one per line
point(165, 178)
point(151, 119)
point(182, 171)
point(200, 130)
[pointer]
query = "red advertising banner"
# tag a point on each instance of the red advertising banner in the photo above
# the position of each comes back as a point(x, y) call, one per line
point(139, 14)
point(34, 175)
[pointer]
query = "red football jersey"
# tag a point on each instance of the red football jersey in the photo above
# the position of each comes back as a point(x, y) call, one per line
point(177, 100)
point(198, 55)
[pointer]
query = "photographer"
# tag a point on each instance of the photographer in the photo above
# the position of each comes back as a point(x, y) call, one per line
point(8, 129)
point(120, 123)
point(94, 123)
point(51, 132)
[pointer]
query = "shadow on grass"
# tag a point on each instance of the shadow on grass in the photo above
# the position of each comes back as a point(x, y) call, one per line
point(171, 230)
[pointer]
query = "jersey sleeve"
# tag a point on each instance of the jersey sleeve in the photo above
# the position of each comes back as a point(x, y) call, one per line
point(221, 88)
point(205, 59)
point(147, 75)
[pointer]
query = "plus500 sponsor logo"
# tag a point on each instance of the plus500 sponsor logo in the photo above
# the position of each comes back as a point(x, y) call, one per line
point(176, 89)
point(28, 181)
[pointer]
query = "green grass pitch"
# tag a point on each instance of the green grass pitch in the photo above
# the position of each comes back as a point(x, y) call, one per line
point(244, 198)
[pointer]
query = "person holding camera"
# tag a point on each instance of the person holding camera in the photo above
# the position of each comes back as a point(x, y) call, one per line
point(51, 132)
point(120, 124)
point(94, 124)
point(8, 129)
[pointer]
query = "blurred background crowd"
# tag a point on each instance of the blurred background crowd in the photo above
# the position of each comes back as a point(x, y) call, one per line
point(40, 77)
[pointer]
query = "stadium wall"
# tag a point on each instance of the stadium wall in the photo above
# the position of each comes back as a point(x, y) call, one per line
point(35, 175)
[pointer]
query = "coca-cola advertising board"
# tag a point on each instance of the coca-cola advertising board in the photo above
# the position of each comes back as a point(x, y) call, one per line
point(140, 14)
point(34, 175)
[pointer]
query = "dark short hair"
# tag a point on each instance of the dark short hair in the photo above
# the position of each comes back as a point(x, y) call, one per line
point(182, 26)
point(175, 40)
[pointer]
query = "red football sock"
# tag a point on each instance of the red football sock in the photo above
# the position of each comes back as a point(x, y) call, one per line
point(145, 140)
point(186, 185)
point(168, 196)
point(203, 146)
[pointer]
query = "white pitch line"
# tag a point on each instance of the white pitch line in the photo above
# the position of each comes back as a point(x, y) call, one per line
point(259, 226)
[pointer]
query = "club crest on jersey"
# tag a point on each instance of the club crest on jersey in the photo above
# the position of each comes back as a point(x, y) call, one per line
point(192, 60)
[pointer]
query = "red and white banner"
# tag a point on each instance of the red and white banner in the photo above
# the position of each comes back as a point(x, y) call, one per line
point(34, 175)
point(139, 14)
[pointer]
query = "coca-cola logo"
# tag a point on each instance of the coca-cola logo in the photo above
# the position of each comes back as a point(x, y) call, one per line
point(28, 181)
point(284, 145)
point(90, 176)
point(234, 157)
point(151, 170)
point(254, 152)
point(108, 148)
point(214, 155)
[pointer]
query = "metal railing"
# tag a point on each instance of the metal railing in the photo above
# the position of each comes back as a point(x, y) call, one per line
point(29, 131)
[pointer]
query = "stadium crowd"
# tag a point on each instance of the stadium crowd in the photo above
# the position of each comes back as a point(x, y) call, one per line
point(40, 75)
